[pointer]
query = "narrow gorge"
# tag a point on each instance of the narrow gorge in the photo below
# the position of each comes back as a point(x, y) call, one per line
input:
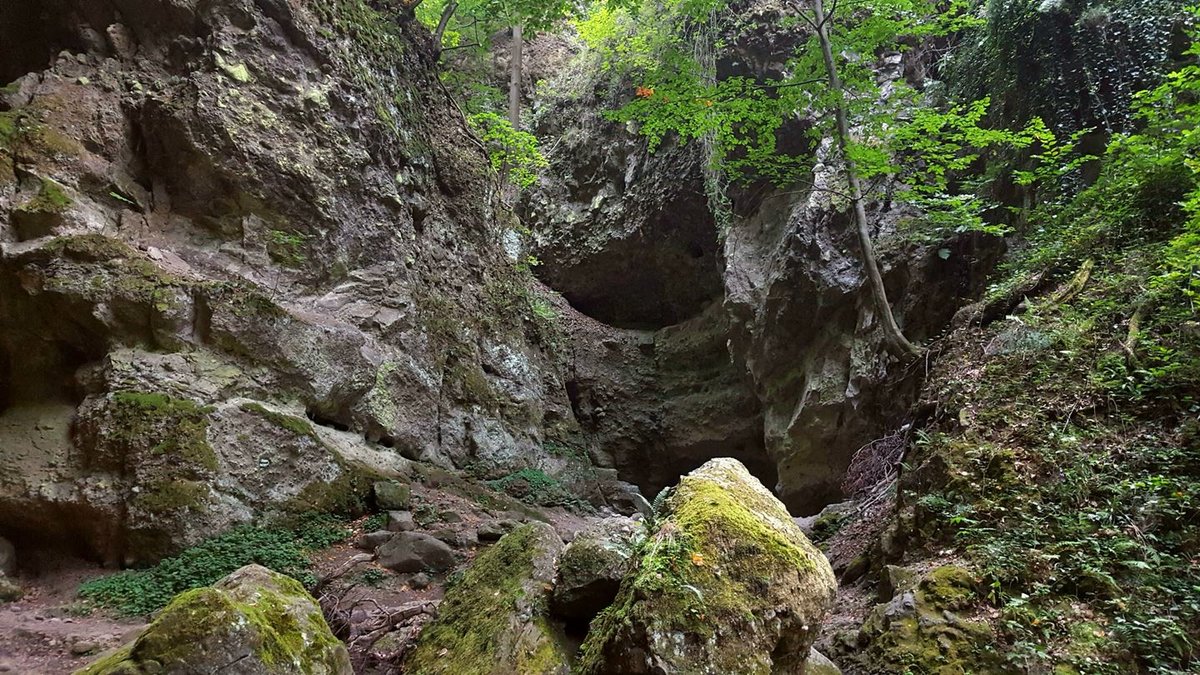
point(381, 337)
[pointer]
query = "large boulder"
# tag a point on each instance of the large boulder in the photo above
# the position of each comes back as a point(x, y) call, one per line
point(252, 622)
point(492, 620)
point(726, 584)
point(591, 568)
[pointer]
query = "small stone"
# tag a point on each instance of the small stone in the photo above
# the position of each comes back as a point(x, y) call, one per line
point(494, 529)
point(373, 540)
point(818, 664)
point(419, 580)
point(8, 558)
point(83, 647)
point(401, 521)
point(9, 590)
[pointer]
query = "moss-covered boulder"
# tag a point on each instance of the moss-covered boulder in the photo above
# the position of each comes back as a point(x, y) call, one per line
point(726, 584)
point(253, 622)
point(591, 568)
point(927, 626)
point(493, 619)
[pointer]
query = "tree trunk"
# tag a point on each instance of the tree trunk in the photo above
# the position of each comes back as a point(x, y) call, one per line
point(447, 12)
point(894, 338)
point(515, 74)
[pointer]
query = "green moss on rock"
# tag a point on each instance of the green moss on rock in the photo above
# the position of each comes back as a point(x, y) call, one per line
point(710, 583)
point(261, 620)
point(291, 423)
point(921, 630)
point(480, 627)
point(176, 428)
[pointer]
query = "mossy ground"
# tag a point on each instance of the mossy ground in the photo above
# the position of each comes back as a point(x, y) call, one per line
point(1062, 460)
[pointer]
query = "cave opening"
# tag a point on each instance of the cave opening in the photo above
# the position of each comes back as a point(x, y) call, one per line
point(33, 33)
point(661, 274)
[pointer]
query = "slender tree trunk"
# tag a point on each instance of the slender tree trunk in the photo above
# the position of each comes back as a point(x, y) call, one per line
point(897, 344)
point(447, 12)
point(515, 72)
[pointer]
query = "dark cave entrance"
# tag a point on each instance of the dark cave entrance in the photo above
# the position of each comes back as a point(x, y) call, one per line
point(665, 272)
point(33, 32)
point(668, 465)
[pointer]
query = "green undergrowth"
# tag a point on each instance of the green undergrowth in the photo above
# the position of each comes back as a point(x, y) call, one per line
point(1065, 460)
point(535, 487)
point(283, 547)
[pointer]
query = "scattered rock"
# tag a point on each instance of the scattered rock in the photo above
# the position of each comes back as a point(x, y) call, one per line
point(401, 521)
point(392, 496)
point(921, 627)
point(726, 583)
point(591, 568)
point(420, 580)
point(415, 552)
point(494, 614)
point(260, 620)
point(457, 538)
point(9, 590)
point(83, 647)
point(373, 540)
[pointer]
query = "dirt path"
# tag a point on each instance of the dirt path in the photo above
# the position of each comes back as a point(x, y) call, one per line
point(46, 633)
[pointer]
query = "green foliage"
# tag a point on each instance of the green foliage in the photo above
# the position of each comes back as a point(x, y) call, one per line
point(287, 248)
point(534, 486)
point(315, 530)
point(900, 135)
point(138, 592)
point(375, 522)
point(1074, 63)
point(512, 152)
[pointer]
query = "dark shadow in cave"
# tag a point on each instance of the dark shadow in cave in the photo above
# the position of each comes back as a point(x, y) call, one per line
point(668, 465)
point(33, 32)
point(667, 271)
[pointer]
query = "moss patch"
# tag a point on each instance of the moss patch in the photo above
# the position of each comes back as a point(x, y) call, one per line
point(176, 428)
point(204, 624)
point(709, 572)
point(475, 625)
point(291, 423)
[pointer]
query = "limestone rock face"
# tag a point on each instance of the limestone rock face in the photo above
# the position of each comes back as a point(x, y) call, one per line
point(492, 621)
point(239, 274)
point(253, 621)
point(592, 566)
point(765, 344)
point(727, 584)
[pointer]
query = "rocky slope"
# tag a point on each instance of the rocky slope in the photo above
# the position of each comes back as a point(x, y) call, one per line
point(240, 238)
